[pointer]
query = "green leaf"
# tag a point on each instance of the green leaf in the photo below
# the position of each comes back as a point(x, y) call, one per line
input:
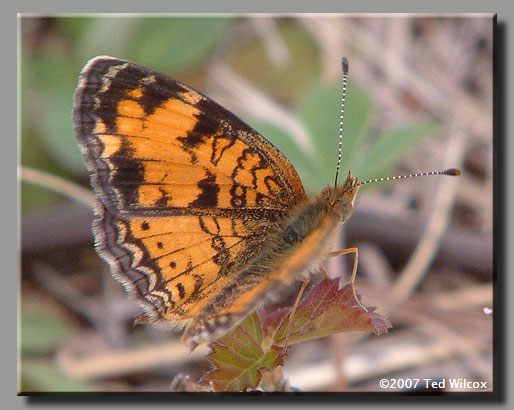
point(176, 43)
point(57, 133)
point(41, 332)
point(74, 27)
point(392, 145)
point(107, 35)
point(287, 80)
point(44, 376)
point(326, 310)
point(49, 105)
point(319, 110)
point(240, 357)
point(162, 43)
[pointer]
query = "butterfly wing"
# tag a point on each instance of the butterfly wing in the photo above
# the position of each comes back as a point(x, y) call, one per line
point(181, 185)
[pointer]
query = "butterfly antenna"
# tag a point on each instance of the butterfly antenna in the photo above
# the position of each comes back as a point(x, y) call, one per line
point(452, 172)
point(344, 63)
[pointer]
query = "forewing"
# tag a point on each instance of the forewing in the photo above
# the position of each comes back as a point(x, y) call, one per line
point(181, 184)
point(155, 145)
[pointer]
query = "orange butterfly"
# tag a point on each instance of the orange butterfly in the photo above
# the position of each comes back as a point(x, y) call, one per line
point(198, 215)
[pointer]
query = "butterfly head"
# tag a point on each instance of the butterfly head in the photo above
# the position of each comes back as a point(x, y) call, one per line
point(342, 197)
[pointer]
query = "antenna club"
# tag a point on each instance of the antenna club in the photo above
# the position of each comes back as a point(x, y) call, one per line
point(344, 63)
point(454, 172)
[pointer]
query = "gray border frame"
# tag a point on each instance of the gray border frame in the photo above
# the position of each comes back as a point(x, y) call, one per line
point(504, 187)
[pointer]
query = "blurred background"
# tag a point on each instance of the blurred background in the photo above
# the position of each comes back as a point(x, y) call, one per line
point(419, 99)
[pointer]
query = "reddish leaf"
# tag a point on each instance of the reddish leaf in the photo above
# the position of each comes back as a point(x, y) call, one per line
point(325, 311)
point(252, 352)
point(240, 357)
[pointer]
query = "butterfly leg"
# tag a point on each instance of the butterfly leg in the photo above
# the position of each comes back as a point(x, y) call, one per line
point(354, 271)
point(322, 268)
point(293, 311)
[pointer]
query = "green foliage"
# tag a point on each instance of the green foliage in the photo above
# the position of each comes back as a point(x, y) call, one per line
point(45, 376)
point(57, 79)
point(319, 110)
point(188, 41)
point(285, 81)
point(163, 43)
point(40, 332)
point(391, 146)
point(74, 28)
point(241, 356)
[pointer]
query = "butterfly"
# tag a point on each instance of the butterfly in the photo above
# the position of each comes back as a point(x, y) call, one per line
point(199, 216)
